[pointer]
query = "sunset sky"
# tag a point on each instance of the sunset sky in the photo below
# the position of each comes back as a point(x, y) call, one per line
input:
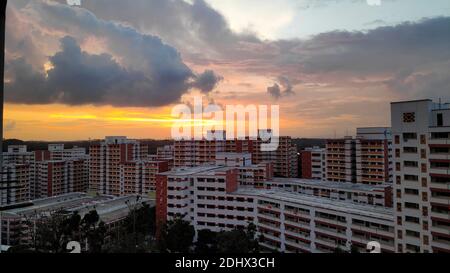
point(114, 67)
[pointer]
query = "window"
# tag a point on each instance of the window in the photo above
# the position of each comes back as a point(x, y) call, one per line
point(408, 136)
point(411, 164)
point(424, 167)
point(409, 117)
point(425, 225)
point(397, 153)
point(424, 182)
point(423, 153)
point(423, 139)
point(410, 150)
point(413, 233)
point(411, 219)
point(425, 211)
point(410, 177)
point(411, 192)
point(397, 139)
point(411, 205)
point(398, 179)
point(440, 120)
point(425, 196)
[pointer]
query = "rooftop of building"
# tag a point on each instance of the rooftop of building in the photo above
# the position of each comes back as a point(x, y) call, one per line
point(184, 171)
point(108, 207)
point(335, 205)
point(330, 184)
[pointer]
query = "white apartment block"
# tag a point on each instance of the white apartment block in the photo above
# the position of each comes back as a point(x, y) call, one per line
point(18, 154)
point(58, 152)
point(421, 131)
point(18, 175)
point(210, 197)
point(15, 186)
point(376, 195)
point(297, 223)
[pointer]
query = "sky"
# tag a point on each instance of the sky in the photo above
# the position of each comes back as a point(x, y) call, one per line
point(113, 67)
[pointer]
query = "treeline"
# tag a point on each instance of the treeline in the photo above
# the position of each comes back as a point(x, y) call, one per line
point(136, 233)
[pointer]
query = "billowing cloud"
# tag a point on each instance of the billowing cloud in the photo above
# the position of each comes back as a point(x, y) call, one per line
point(207, 81)
point(137, 70)
point(282, 88)
point(77, 78)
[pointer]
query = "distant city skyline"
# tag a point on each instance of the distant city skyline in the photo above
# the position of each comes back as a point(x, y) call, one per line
point(113, 67)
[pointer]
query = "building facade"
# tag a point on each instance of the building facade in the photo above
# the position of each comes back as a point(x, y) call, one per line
point(421, 131)
point(313, 163)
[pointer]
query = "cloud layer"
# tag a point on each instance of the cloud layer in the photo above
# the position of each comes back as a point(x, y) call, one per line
point(150, 73)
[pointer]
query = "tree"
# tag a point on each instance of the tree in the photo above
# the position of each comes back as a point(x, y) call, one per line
point(93, 231)
point(136, 234)
point(238, 240)
point(206, 242)
point(51, 233)
point(178, 236)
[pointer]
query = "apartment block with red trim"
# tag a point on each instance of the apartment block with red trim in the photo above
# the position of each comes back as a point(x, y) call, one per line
point(374, 163)
point(210, 197)
point(139, 177)
point(192, 153)
point(421, 131)
point(200, 195)
point(57, 177)
point(313, 163)
point(341, 160)
point(121, 166)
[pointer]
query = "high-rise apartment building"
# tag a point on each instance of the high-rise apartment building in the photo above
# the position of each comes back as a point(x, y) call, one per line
point(341, 160)
point(121, 166)
point(373, 150)
point(192, 153)
point(288, 219)
point(57, 177)
point(366, 159)
point(16, 183)
point(313, 163)
point(421, 132)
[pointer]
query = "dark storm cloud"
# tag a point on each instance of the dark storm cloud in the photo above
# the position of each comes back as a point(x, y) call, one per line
point(207, 81)
point(383, 49)
point(79, 78)
point(150, 73)
point(282, 88)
